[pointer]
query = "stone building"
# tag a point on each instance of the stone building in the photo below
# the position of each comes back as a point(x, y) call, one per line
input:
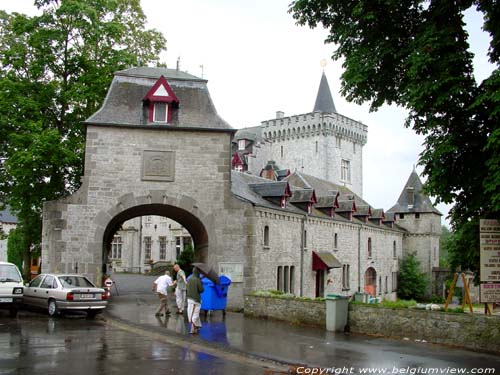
point(157, 147)
point(8, 222)
point(145, 242)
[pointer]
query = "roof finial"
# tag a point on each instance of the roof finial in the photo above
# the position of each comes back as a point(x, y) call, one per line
point(323, 63)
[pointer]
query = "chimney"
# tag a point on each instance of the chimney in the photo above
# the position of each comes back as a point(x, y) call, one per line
point(280, 114)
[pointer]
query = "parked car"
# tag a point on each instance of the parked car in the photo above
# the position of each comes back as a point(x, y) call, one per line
point(11, 288)
point(60, 293)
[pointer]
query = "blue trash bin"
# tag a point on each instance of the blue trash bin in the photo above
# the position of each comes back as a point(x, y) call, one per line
point(214, 296)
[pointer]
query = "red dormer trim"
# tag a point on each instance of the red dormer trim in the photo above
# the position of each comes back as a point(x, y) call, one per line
point(236, 161)
point(168, 96)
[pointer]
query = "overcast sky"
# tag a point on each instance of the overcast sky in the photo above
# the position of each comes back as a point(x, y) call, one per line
point(257, 61)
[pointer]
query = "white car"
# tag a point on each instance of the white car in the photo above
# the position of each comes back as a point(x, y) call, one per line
point(59, 293)
point(11, 288)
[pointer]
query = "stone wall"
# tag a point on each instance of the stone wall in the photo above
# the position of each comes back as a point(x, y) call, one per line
point(290, 310)
point(476, 332)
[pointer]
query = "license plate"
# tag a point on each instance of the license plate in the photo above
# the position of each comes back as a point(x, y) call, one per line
point(87, 296)
point(4, 300)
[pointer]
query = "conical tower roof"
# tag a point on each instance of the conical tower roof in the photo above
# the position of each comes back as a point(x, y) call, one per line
point(324, 99)
point(413, 199)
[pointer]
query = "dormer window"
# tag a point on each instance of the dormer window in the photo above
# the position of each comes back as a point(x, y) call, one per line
point(160, 112)
point(242, 144)
point(160, 102)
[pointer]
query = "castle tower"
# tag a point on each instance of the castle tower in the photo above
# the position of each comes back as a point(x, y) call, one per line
point(321, 143)
point(415, 212)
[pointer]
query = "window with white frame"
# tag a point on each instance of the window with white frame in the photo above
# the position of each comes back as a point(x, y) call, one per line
point(178, 246)
point(242, 144)
point(116, 247)
point(163, 247)
point(345, 170)
point(160, 112)
point(239, 168)
point(147, 248)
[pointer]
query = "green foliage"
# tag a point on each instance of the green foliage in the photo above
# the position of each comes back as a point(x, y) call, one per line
point(411, 282)
point(420, 60)
point(55, 69)
point(186, 258)
point(399, 304)
point(16, 246)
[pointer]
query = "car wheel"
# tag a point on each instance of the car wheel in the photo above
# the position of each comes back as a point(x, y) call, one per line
point(52, 308)
point(13, 312)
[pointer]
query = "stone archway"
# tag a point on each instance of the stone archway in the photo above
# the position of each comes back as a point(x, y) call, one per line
point(183, 210)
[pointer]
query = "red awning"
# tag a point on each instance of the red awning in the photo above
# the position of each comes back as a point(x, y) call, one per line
point(324, 261)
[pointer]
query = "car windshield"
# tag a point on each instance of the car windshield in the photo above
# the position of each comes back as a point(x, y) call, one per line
point(9, 272)
point(75, 281)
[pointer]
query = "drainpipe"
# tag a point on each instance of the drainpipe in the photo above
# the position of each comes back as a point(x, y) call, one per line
point(140, 245)
point(302, 227)
point(359, 258)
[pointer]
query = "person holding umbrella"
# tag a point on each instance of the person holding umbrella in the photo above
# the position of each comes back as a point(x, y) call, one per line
point(194, 290)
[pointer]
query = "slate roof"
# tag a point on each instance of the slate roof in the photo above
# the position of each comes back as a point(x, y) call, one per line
point(362, 210)
point(421, 202)
point(326, 201)
point(324, 99)
point(250, 188)
point(302, 196)
point(270, 189)
point(124, 101)
point(7, 217)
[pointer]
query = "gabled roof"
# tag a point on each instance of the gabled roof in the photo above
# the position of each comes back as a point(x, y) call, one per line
point(363, 210)
point(271, 189)
point(7, 217)
point(377, 213)
point(124, 106)
point(303, 196)
point(346, 206)
point(161, 92)
point(324, 99)
point(413, 199)
point(329, 201)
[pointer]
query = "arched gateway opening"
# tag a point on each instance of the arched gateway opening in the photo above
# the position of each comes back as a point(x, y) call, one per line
point(192, 224)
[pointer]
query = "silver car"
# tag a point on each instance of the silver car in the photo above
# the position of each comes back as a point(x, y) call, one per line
point(59, 293)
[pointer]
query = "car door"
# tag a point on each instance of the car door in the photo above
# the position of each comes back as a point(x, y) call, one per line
point(31, 292)
point(44, 292)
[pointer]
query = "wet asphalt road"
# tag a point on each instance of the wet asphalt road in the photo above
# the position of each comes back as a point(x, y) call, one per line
point(34, 343)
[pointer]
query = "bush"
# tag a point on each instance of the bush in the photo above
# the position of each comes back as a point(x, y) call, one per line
point(412, 283)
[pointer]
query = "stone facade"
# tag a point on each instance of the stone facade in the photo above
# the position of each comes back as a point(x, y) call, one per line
point(316, 144)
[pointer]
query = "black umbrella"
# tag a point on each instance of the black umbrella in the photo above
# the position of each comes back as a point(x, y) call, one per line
point(208, 271)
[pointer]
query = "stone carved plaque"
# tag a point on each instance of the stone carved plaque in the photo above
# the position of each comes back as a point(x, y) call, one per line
point(158, 165)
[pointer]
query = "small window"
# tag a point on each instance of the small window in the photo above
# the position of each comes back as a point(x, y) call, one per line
point(345, 170)
point(292, 279)
point(401, 216)
point(305, 239)
point(160, 112)
point(345, 277)
point(417, 215)
point(385, 286)
point(317, 147)
point(394, 252)
point(281, 151)
point(286, 279)
point(394, 281)
point(163, 247)
point(266, 236)
point(336, 241)
point(242, 144)
point(369, 247)
point(279, 278)
point(147, 248)
point(338, 142)
point(354, 147)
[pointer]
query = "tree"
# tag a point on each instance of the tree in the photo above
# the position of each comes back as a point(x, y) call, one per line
point(415, 54)
point(186, 258)
point(412, 283)
point(55, 69)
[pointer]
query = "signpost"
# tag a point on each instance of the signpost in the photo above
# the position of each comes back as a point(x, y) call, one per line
point(489, 237)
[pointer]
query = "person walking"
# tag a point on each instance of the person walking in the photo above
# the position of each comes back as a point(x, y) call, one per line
point(160, 286)
point(180, 290)
point(194, 290)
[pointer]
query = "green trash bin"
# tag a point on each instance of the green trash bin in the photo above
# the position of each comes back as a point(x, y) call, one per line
point(336, 312)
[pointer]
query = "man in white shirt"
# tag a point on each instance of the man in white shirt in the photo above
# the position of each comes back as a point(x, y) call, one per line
point(160, 286)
